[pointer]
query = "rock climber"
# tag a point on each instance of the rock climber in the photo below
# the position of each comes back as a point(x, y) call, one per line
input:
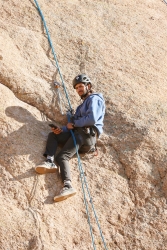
point(87, 125)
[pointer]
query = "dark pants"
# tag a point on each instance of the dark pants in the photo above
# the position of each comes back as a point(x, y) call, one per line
point(84, 143)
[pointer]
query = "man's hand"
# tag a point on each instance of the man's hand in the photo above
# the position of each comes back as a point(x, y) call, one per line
point(70, 125)
point(56, 130)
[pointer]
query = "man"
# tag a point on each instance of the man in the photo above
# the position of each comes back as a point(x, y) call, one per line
point(87, 125)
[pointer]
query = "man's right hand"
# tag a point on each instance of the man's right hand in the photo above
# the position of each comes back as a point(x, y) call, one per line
point(56, 130)
point(70, 125)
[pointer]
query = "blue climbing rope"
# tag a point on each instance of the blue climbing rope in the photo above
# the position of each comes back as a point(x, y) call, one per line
point(82, 175)
point(165, 2)
point(84, 181)
point(53, 52)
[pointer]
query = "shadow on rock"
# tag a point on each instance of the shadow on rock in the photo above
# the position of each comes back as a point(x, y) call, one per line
point(22, 150)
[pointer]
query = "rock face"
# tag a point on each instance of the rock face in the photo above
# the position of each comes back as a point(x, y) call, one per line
point(121, 45)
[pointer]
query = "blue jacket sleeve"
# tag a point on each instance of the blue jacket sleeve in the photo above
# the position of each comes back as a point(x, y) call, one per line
point(90, 113)
point(65, 129)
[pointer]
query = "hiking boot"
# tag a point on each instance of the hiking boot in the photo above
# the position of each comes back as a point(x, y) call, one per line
point(46, 167)
point(65, 193)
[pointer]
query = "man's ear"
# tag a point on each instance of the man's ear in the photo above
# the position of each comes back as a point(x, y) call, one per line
point(89, 86)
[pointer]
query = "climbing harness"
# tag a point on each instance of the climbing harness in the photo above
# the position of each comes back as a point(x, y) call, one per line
point(69, 115)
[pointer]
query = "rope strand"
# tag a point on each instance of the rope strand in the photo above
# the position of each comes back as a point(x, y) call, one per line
point(53, 52)
point(82, 175)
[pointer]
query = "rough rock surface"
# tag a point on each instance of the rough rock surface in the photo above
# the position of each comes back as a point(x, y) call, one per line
point(121, 45)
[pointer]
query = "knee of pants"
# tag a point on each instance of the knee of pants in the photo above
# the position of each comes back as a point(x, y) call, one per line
point(51, 134)
point(62, 157)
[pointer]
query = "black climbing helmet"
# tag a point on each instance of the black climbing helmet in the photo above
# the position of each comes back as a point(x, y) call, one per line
point(81, 79)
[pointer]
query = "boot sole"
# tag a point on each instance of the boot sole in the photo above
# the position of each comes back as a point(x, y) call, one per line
point(64, 197)
point(43, 170)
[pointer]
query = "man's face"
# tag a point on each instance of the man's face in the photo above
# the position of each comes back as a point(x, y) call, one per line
point(81, 89)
